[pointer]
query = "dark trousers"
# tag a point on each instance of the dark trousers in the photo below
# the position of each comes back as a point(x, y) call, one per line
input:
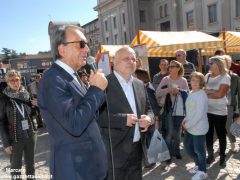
point(195, 147)
point(132, 169)
point(24, 147)
point(219, 123)
point(173, 134)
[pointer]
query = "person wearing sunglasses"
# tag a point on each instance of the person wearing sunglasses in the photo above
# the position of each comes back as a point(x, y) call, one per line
point(173, 87)
point(189, 67)
point(70, 110)
point(217, 85)
point(17, 125)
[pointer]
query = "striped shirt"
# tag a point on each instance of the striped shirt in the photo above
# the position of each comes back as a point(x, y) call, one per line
point(188, 69)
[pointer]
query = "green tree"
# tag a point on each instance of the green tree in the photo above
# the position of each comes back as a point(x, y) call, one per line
point(9, 54)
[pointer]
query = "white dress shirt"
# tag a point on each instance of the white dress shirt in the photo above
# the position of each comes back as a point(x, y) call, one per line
point(128, 90)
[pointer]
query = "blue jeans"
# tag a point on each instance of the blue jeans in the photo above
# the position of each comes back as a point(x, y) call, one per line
point(173, 133)
point(195, 147)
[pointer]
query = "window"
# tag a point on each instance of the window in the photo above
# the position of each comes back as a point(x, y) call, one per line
point(237, 8)
point(142, 16)
point(114, 23)
point(107, 40)
point(165, 10)
point(125, 37)
point(106, 26)
point(212, 13)
point(123, 18)
point(190, 21)
point(115, 39)
point(161, 12)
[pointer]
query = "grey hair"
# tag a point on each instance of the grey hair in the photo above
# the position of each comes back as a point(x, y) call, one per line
point(121, 50)
point(181, 50)
point(218, 60)
point(227, 60)
point(59, 37)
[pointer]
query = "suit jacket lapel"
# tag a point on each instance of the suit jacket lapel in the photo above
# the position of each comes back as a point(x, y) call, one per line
point(121, 93)
point(69, 78)
point(136, 94)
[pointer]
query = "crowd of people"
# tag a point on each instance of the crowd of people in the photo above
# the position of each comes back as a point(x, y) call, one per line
point(98, 126)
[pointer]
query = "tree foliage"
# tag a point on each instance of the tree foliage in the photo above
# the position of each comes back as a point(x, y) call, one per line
point(9, 54)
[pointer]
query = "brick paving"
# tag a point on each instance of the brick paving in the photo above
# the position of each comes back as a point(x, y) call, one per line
point(177, 170)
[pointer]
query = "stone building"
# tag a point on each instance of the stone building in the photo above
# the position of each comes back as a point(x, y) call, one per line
point(119, 20)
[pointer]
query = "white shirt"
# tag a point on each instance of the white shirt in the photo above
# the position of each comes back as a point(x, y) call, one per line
point(67, 68)
point(196, 113)
point(217, 106)
point(128, 90)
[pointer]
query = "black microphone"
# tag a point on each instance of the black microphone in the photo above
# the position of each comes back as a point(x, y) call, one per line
point(91, 63)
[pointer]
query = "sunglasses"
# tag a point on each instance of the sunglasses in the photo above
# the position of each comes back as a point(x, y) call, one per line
point(173, 66)
point(14, 80)
point(82, 44)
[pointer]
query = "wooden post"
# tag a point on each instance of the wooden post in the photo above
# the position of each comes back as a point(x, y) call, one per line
point(99, 47)
point(224, 41)
point(200, 60)
point(138, 35)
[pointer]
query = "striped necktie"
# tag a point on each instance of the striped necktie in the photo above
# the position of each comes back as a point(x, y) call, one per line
point(80, 82)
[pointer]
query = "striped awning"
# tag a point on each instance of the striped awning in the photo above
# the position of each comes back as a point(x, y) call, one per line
point(232, 40)
point(111, 49)
point(164, 44)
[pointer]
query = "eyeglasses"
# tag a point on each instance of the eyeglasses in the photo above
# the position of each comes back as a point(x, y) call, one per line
point(173, 66)
point(14, 80)
point(82, 44)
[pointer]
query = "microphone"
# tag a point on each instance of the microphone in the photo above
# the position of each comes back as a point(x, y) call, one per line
point(91, 63)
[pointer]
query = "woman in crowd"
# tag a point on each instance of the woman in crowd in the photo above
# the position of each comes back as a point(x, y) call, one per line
point(217, 86)
point(232, 96)
point(196, 125)
point(175, 85)
point(18, 131)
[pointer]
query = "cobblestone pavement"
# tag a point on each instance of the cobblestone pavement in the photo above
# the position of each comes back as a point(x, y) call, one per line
point(177, 170)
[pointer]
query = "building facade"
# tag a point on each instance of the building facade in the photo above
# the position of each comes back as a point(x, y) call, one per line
point(92, 33)
point(119, 20)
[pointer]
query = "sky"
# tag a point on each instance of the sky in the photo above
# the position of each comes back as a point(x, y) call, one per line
point(24, 23)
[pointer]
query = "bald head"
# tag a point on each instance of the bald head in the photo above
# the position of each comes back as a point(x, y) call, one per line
point(125, 49)
point(125, 62)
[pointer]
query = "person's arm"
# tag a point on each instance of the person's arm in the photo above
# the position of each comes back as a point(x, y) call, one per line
point(147, 119)
point(73, 113)
point(217, 94)
point(4, 132)
point(185, 85)
point(162, 88)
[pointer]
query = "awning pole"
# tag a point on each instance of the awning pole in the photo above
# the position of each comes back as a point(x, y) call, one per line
point(99, 47)
point(138, 35)
point(200, 60)
point(224, 40)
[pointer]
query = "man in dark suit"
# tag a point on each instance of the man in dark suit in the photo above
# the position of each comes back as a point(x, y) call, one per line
point(130, 116)
point(69, 111)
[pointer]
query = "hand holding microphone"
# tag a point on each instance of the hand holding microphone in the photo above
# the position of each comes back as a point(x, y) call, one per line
point(96, 78)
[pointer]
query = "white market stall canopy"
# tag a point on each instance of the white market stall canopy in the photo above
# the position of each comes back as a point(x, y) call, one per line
point(232, 41)
point(164, 44)
point(111, 49)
